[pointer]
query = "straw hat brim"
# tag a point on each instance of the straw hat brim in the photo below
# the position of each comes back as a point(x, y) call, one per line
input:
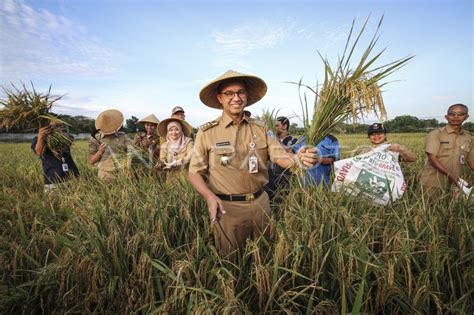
point(152, 119)
point(256, 88)
point(162, 127)
point(109, 121)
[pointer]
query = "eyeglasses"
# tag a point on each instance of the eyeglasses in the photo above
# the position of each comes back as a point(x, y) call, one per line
point(230, 94)
point(455, 114)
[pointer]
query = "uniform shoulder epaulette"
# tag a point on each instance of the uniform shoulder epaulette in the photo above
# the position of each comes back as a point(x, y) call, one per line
point(468, 132)
point(209, 125)
point(257, 122)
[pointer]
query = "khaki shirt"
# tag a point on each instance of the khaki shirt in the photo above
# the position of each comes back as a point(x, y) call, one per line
point(168, 156)
point(222, 139)
point(115, 155)
point(448, 147)
point(149, 143)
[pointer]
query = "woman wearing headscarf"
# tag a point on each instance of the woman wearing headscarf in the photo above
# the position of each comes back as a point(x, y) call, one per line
point(176, 152)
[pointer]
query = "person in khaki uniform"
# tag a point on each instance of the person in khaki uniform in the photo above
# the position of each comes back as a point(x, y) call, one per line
point(148, 140)
point(449, 149)
point(108, 147)
point(232, 152)
point(176, 152)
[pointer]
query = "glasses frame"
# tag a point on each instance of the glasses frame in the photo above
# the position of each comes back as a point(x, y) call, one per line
point(231, 94)
point(454, 114)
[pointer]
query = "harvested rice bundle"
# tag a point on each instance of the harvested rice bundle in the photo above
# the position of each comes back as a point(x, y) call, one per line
point(29, 109)
point(348, 93)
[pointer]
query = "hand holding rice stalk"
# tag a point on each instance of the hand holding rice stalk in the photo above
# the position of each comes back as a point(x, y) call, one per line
point(29, 110)
point(348, 93)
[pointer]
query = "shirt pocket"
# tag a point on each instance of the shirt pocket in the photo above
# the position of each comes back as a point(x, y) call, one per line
point(222, 155)
point(261, 147)
point(446, 147)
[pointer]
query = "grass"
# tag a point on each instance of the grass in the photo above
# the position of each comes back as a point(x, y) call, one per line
point(146, 246)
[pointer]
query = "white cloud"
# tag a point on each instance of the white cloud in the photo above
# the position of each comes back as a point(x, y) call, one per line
point(37, 42)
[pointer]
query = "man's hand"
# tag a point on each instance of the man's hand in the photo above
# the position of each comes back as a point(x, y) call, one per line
point(396, 148)
point(215, 208)
point(308, 156)
point(44, 131)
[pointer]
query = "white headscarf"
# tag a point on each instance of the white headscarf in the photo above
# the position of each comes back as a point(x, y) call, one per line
point(180, 144)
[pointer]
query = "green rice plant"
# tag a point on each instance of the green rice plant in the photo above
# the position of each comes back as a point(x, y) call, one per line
point(24, 108)
point(348, 92)
point(139, 245)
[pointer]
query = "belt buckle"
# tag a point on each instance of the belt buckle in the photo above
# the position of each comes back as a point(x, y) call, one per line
point(250, 197)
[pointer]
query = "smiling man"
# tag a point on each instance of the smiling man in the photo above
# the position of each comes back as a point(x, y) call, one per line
point(449, 149)
point(232, 153)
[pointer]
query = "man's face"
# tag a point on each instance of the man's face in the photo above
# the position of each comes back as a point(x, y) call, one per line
point(456, 116)
point(280, 128)
point(233, 98)
point(150, 128)
point(377, 137)
point(179, 115)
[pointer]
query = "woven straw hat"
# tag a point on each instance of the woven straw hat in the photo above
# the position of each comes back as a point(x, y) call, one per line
point(109, 121)
point(256, 88)
point(150, 119)
point(163, 127)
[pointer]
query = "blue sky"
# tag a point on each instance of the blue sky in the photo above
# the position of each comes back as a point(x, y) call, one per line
point(146, 57)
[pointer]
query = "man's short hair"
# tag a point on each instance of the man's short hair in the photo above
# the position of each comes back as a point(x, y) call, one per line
point(284, 121)
point(450, 108)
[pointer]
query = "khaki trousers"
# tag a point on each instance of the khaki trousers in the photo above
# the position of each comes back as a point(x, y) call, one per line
point(242, 220)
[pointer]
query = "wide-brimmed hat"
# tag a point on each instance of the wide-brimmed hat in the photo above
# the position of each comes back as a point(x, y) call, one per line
point(150, 119)
point(177, 109)
point(109, 121)
point(163, 127)
point(376, 128)
point(256, 88)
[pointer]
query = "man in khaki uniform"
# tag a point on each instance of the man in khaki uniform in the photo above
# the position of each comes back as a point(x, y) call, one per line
point(448, 150)
point(148, 140)
point(108, 147)
point(178, 112)
point(233, 152)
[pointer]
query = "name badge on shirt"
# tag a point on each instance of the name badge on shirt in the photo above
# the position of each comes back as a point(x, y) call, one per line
point(65, 167)
point(462, 159)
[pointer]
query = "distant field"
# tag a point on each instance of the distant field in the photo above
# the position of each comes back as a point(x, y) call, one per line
point(144, 246)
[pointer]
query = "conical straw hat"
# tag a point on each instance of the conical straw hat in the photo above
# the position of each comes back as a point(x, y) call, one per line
point(150, 119)
point(163, 127)
point(109, 121)
point(256, 88)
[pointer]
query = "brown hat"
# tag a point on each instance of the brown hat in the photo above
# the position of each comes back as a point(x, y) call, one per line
point(163, 127)
point(177, 109)
point(109, 121)
point(256, 88)
point(150, 119)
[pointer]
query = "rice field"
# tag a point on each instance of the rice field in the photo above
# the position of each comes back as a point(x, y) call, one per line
point(143, 246)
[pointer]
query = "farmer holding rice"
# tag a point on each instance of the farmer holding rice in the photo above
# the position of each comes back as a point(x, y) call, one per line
point(176, 151)
point(232, 152)
point(377, 134)
point(448, 150)
point(57, 164)
point(148, 140)
point(108, 147)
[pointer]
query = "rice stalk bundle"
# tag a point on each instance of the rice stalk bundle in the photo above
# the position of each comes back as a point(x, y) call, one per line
point(28, 109)
point(348, 93)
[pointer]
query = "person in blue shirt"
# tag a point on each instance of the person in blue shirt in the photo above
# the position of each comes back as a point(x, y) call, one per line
point(328, 153)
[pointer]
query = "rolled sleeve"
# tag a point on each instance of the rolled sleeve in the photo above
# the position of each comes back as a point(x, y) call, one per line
point(432, 142)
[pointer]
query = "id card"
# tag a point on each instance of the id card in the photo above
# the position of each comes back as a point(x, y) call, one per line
point(462, 159)
point(65, 167)
point(253, 164)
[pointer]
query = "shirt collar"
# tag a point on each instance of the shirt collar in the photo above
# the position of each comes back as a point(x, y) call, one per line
point(450, 129)
point(226, 120)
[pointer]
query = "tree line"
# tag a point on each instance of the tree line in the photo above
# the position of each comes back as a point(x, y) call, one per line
point(400, 124)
